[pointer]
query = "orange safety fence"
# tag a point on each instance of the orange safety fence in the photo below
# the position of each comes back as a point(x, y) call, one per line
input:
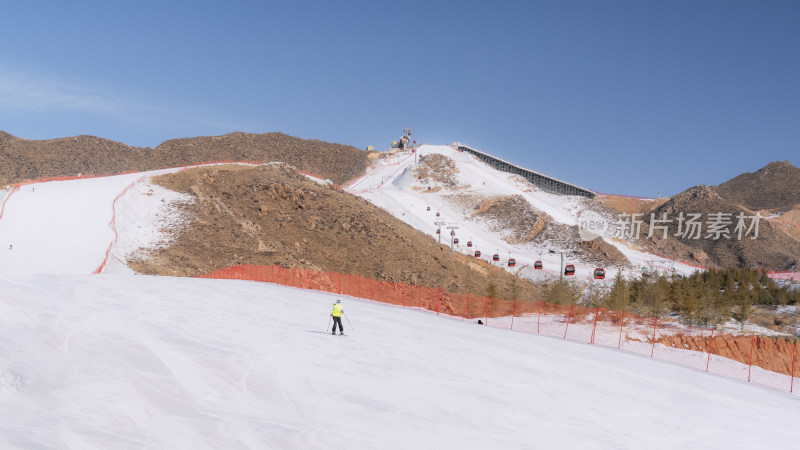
point(772, 362)
point(10, 193)
point(789, 276)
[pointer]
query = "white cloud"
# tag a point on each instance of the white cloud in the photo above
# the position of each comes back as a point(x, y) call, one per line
point(20, 91)
point(36, 94)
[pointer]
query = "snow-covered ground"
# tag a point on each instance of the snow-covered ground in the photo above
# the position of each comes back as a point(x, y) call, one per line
point(390, 185)
point(82, 225)
point(119, 361)
point(123, 361)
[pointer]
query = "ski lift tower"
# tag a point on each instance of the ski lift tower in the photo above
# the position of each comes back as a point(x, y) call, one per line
point(452, 227)
point(562, 249)
point(439, 224)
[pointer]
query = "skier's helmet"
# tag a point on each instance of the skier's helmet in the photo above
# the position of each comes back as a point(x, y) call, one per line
point(338, 301)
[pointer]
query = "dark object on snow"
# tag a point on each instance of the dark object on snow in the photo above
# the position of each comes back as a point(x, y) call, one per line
point(480, 322)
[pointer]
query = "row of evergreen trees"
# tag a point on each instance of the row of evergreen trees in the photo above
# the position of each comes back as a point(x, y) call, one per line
point(704, 298)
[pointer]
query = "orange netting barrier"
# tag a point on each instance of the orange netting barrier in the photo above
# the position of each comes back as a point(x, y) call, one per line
point(790, 276)
point(10, 193)
point(768, 361)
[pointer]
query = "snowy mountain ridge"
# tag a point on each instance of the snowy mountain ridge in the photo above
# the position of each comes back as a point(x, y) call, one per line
point(390, 183)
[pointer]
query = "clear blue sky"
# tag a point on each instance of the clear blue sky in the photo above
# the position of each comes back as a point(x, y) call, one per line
point(635, 97)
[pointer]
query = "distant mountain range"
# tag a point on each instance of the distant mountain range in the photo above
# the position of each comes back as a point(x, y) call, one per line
point(773, 190)
point(23, 159)
point(775, 186)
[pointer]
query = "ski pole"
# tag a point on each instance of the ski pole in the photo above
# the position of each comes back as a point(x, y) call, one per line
point(348, 321)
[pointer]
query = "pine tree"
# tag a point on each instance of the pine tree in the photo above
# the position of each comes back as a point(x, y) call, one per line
point(742, 306)
point(617, 298)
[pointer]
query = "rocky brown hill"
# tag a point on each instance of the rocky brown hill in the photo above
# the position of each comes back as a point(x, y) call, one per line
point(22, 159)
point(273, 215)
point(775, 186)
point(772, 249)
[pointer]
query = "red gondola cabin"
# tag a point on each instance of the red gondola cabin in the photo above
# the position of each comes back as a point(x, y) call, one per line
point(429, 208)
point(512, 262)
point(537, 265)
point(569, 269)
point(496, 257)
point(599, 273)
point(469, 243)
point(437, 214)
point(477, 253)
point(455, 241)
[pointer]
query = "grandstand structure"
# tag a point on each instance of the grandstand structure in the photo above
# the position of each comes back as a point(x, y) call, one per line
point(543, 182)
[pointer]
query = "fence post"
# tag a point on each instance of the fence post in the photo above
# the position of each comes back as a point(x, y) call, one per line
point(487, 310)
point(538, 319)
point(594, 327)
point(750, 365)
point(619, 344)
point(710, 341)
point(568, 319)
point(439, 301)
point(655, 322)
point(513, 312)
point(794, 350)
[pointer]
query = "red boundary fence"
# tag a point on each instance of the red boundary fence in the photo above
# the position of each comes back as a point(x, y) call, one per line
point(793, 276)
point(112, 223)
point(188, 166)
point(10, 193)
point(767, 361)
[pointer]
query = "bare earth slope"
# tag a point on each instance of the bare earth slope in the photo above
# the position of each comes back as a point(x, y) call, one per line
point(773, 249)
point(774, 186)
point(273, 215)
point(22, 159)
point(772, 189)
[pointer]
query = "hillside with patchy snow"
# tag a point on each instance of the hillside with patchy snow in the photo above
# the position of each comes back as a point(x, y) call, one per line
point(124, 360)
point(455, 190)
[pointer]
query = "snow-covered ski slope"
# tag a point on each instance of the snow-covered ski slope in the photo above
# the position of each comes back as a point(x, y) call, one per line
point(120, 361)
point(82, 225)
point(123, 361)
point(390, 184)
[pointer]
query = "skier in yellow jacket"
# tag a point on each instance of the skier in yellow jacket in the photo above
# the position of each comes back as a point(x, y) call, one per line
point(336, 313)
